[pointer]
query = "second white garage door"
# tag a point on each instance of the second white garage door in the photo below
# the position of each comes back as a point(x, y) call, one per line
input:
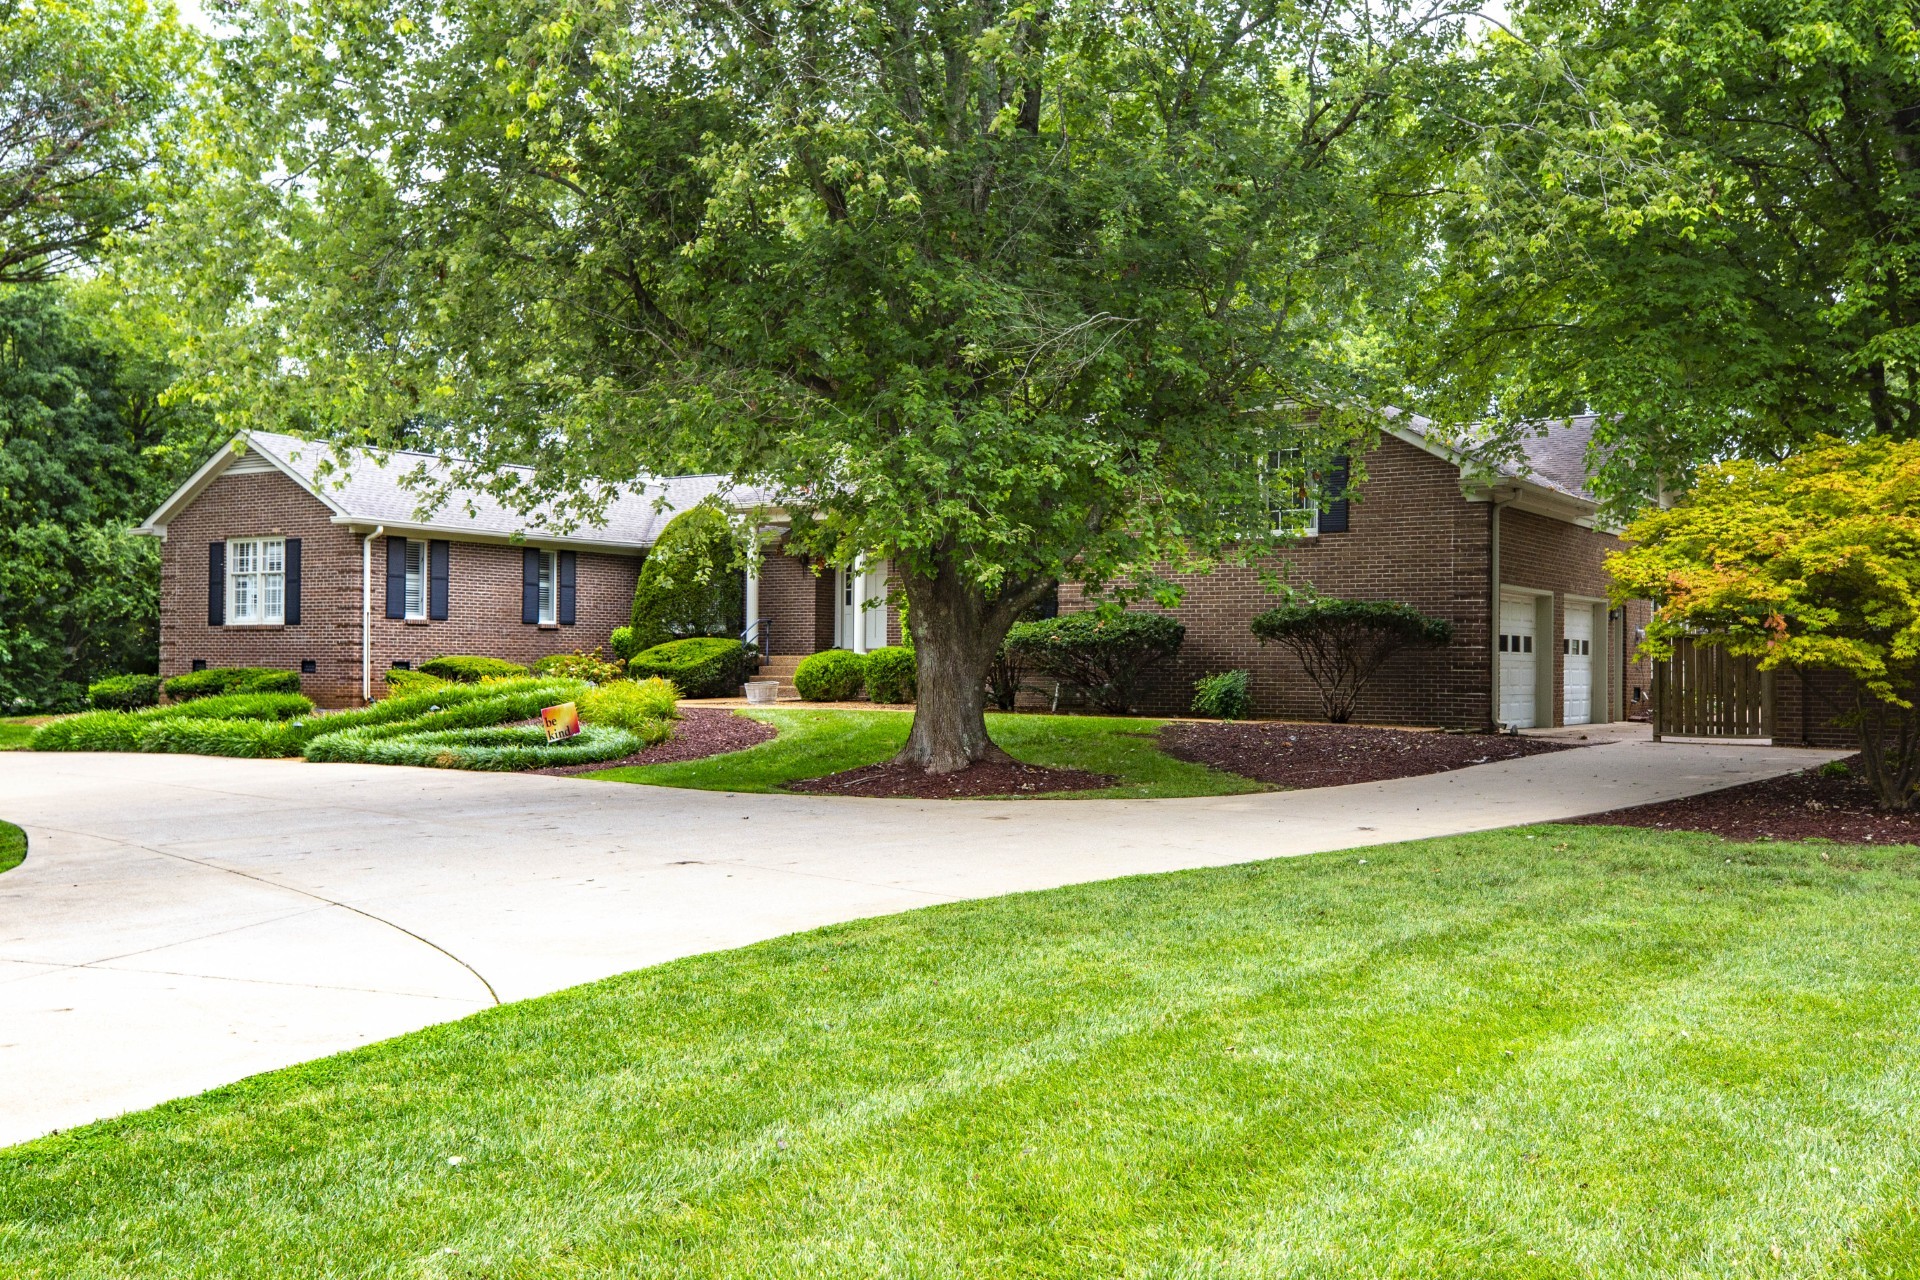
point(1576, 651)
point(1517, 661)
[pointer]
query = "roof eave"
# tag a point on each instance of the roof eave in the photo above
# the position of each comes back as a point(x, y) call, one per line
point(454, 533)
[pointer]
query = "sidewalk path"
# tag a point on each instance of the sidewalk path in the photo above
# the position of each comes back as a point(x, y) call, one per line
point(181, 922)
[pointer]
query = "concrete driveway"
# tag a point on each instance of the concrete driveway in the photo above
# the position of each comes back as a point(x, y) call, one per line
point(181, 922)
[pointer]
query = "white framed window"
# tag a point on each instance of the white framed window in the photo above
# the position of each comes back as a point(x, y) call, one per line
point(549, 586)
point(256, 581)
point(416, 588)
point(1292, 497)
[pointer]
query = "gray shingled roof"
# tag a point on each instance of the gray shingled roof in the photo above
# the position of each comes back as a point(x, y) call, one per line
point(368, 486)
point(1554, 452)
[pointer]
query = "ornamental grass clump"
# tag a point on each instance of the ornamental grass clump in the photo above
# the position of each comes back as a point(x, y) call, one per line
point(200, 736)
point(1225, 695)
point(644, 708)
point(1342, 644)
point(127, 730)
point(1109, 655)
point(504, 748)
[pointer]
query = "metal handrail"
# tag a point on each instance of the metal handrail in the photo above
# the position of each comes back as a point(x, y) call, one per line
point(758, 633)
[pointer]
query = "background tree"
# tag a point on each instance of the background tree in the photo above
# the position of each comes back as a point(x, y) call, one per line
point(1700, 218)
point(1810, 563)
point(89, 91)
point(87, 449)
point(1006, 293)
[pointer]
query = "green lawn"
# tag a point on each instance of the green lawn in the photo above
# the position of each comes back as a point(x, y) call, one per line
point(1563, 1051)
point(15, 730)
point(813, 743)
point(13, 846)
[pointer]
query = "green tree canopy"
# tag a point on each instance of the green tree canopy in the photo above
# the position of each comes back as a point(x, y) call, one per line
point(1699, 218)
point(1005, 293)
point(1810, 563)
point(693, 582)
point(89, 95)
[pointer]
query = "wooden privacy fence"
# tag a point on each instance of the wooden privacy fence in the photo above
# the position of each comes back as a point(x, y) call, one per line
point(1703, 691)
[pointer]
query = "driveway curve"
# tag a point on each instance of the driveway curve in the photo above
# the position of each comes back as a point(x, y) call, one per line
point(182, 922)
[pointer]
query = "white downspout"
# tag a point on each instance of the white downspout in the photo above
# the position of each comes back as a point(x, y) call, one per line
point(366, 613)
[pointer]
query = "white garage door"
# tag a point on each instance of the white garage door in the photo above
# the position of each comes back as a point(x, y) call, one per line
point(1516, 661)
point(1576, 651)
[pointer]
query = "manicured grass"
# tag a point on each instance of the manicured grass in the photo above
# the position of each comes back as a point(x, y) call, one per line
point(1564, 1051)
point(813, 743)
point(13, 846)
point(16, 730)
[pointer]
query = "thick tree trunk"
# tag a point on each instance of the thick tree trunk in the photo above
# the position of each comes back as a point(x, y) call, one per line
point(957, 629)
point(1889, 750)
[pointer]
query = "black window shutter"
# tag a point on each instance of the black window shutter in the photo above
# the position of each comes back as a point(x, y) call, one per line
point(437, 577)
point(292, 613)
point(216, 584)
point(565, 611)
point(1333, 502)
point(396, 577)
point(530, 586)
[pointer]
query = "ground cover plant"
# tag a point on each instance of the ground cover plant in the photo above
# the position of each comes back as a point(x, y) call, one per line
point(13, 846)
point(16, 732)
point(128, 730)
point(1547, 1052)
point(503, 748)
point(818, 743)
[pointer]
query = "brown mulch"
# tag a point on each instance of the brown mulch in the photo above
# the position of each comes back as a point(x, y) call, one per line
point(1331, 755)
point(700, 732)
point(1797, 806)
point(988, 778)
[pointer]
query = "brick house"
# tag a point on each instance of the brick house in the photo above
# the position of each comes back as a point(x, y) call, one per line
point(341, 577)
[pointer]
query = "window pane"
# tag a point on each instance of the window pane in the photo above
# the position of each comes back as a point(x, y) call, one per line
point(416, 580)
point(546, 586)
point(273, 556)
point(243, 557)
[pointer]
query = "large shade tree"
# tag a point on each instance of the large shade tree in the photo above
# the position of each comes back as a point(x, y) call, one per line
point(1698, 217)
point(1006, 293)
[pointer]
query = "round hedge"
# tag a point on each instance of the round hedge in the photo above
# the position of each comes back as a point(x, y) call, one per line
point(124, 693)
point(892, 674)
point(469, 669)
point(832, 675)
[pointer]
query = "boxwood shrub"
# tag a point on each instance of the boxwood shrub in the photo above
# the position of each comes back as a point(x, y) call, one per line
point(124, 693)
point(701, 667)
point(469, 669)
point(218, 680)
point(504, 747)
point(1110, 655)
point(832, 675)
point(892, 674)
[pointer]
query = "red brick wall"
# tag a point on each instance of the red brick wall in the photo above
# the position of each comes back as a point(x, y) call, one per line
point(1545, 554)
point(483, 596)
point(1412, 538)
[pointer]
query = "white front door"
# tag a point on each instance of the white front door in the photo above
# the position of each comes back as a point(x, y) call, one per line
point(1577, 665)
point(860, 619)
point(1517, 665)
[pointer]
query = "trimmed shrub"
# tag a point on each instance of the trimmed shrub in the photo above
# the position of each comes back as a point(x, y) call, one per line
point(1223, 695)
point(504, 748)
point(218, 680)
point(468, 669)
point(892, 674)
point(586, 665)
point(641, 707)
point(1342, 643)
point(704, 667)
point(832, 675)
point(124, 693)
point(400, 680)
point(621, 642)
point(1108, 655)
point(691, 584)
point(199, 736)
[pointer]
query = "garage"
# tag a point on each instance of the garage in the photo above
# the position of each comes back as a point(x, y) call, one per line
point(1576, 651)
point(1518, 664)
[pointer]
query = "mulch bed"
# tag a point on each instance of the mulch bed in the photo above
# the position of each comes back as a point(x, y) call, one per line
point(1332, 755)
point(988, 778)
point(1797, 806)
point(699, 733)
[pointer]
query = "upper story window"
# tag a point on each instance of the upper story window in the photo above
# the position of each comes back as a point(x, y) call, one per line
point(256, 581)
point(1292, 497)
point(549, 586)
point(416, 580)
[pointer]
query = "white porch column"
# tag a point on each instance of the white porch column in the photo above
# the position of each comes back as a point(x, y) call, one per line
point(753, 597)
point(858, 616)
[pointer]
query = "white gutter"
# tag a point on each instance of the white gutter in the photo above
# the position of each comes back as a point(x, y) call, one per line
point(366, 613)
